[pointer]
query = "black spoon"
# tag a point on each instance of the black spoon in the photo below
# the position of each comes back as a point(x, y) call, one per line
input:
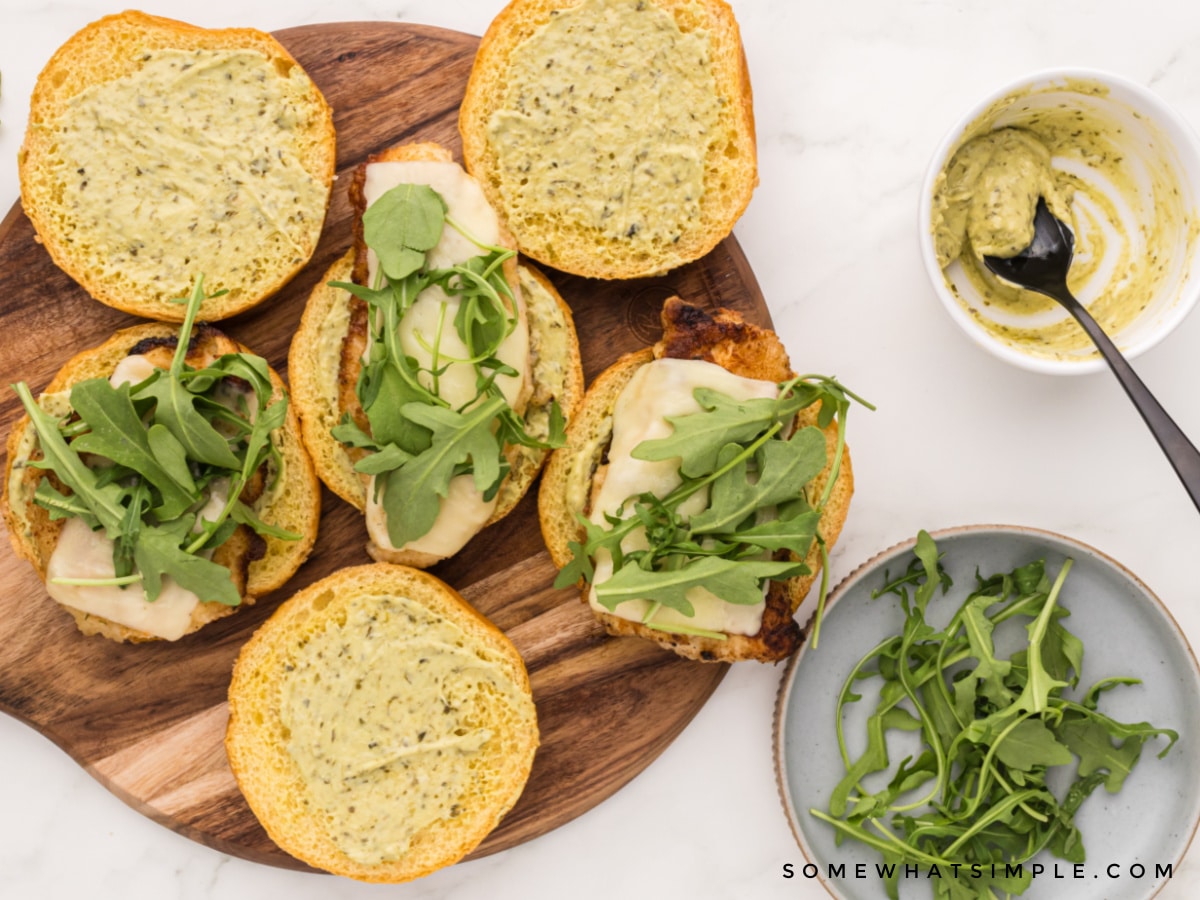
point(1043, 267)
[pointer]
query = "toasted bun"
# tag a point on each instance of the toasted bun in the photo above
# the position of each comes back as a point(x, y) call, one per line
point(133, 218)
point(278, 699)
point(324, 371)
point(565, 205)
point(740, 348)
point(294, 503)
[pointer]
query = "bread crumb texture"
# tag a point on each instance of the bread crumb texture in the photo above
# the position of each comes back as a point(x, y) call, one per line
point(158, 152)
point(616, 136)
point(380, 727)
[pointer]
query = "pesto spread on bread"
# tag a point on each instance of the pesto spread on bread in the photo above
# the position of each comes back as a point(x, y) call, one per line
point(198, 179)
point(387, 717)
point(609, 114)
point(379, 726)
point(157, 149)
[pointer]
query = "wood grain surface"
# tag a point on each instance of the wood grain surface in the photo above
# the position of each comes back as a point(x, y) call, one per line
point(148, 721)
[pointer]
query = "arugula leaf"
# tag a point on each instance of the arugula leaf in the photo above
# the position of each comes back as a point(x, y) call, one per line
point(393, 393)
point(383, 460)
point(1029, 744)
point(401, 225)
point(784, 533)
point(412, 493)
point(104, 502)
point(118, 434)
point(61, 506)
point(175, 409)
point(785, 468)
point(698, 438)
point(734, 581)
point(158, 553)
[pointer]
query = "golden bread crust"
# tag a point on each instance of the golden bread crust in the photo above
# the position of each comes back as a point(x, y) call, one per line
point(273, 784)
point(730, 164)
point(114, 48)
point(258, 565)
point(743, 349)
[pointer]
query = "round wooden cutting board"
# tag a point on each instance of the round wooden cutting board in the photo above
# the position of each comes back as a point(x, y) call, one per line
point(148, 721)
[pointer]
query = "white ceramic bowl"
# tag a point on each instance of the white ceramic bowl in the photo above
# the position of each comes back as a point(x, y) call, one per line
point(1152, 138)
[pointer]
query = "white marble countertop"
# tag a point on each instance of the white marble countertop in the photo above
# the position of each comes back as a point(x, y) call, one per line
point(850, 100)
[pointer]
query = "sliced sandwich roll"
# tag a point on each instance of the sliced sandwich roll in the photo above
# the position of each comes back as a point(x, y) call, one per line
point(699, 490)
point(160, 482)
point(615, 137)
point(379, 727)
point(431, 372)
point(157, 149)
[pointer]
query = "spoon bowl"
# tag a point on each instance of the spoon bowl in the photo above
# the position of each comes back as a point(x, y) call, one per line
point(1043, 267)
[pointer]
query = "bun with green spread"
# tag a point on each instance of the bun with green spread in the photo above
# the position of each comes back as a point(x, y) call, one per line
point(156, 149)
point(431, 372)
point(159, 482)
point(615, 137)
point(700, 489)
point(379, 727)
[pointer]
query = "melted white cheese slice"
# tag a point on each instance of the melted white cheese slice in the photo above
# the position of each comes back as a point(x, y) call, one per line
point(663, 388)
point(463, 511)
point(85, 554)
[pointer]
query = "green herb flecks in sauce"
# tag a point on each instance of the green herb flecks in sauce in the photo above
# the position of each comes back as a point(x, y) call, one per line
point(385, 709)
point(607, 120)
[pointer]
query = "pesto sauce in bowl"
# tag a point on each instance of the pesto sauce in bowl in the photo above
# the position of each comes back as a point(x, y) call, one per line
point(1114, 176)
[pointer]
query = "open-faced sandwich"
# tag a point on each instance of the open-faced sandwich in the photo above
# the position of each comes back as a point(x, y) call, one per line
point(379, 727)
point(615, 137)
point(431, 386)
point(156, 149)
point(701, 485)
point(159, 482)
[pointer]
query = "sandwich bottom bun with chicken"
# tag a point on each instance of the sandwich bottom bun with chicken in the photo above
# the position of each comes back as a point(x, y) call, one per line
point(379, 727)
point(431, 372)
point(700, 489)
point(156, 488)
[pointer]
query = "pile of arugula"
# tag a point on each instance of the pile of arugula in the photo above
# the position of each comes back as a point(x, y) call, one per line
point(417, 441)
point(991, 729)
point(758, 481)
point(164, 442)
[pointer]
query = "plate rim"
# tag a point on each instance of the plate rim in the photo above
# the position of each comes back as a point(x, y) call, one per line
point(787, 680)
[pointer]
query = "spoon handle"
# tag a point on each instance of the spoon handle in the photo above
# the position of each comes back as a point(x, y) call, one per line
point(1181, 452)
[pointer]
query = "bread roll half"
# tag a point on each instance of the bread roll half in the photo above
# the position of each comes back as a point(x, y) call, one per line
point(616, 137)
point(158, 152)
point(380, 727)
point(290, 500)
point(568, 484)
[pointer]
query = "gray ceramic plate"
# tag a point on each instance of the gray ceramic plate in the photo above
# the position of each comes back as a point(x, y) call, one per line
point(1126, 631)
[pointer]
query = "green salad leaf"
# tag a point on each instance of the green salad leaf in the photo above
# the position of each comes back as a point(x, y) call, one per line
point(418, 443)
point(993, 730)
point(142, 462)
